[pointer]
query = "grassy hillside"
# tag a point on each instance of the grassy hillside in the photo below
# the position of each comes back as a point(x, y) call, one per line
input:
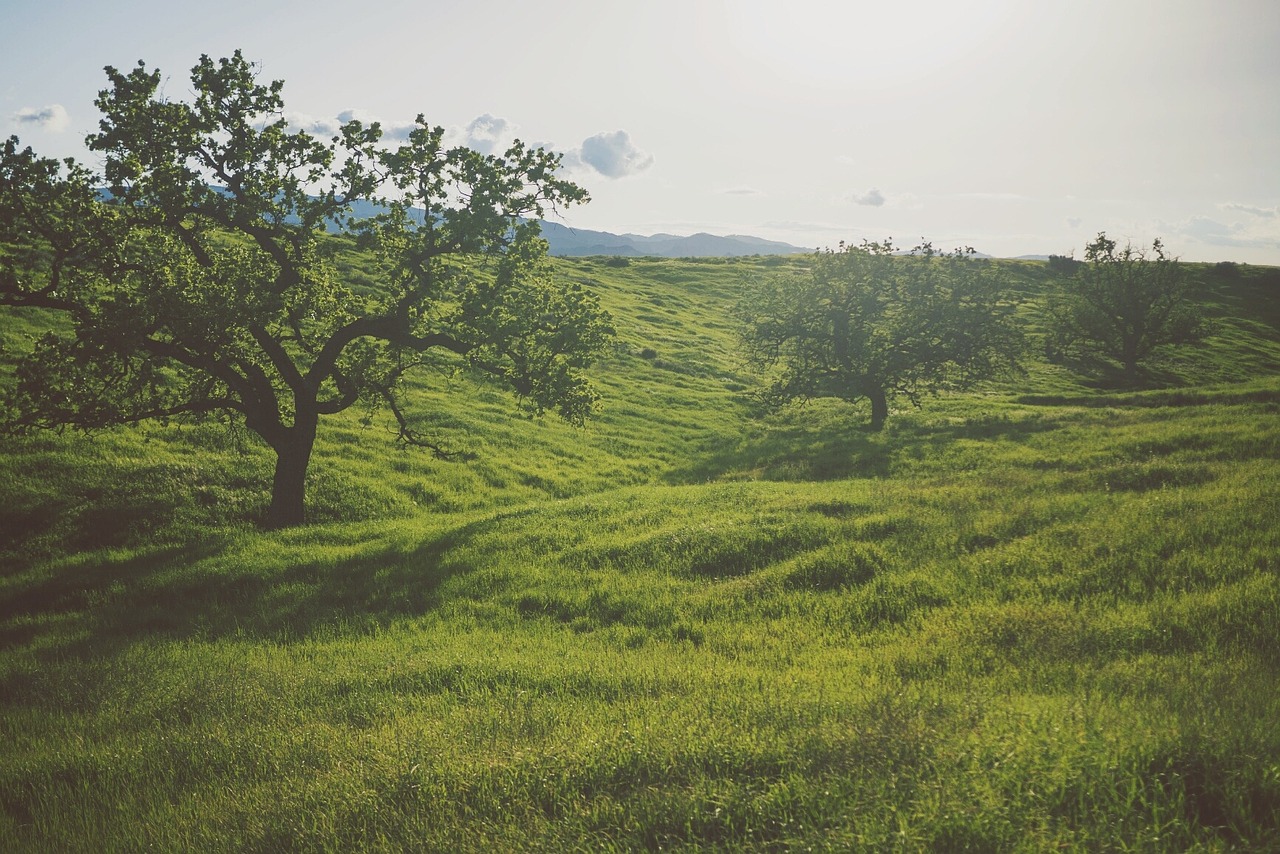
point(1039, 615)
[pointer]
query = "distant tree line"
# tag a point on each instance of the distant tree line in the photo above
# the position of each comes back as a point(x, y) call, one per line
point(869, 323)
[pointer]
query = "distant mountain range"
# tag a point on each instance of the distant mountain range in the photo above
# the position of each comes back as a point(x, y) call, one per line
point(563, 240)
point(566, 241)
point(578, 241)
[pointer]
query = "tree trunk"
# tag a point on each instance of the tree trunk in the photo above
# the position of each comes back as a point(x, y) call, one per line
point(288, 489)
point(879, 407)
point(1129, 359)
point(1131, 372)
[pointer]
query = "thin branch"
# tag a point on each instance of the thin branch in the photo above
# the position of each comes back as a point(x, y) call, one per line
point(406, 435)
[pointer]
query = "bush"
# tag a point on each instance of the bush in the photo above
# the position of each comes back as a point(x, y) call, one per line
point(1064, 264)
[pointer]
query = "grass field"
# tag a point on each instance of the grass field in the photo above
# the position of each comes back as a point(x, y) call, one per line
point(1039, 616)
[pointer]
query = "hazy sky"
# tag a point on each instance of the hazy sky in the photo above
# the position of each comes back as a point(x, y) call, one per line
point(1014, 126)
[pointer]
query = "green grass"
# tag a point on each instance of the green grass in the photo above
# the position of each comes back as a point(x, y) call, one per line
point(1039, 616)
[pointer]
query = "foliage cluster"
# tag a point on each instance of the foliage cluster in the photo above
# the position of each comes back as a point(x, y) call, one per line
point(1124, 304)
point(867, 323)
point(204, 287)
point(1063, 264)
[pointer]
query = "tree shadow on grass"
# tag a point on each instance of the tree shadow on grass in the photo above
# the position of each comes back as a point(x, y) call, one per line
point(1156, 373)
point(836, 445)
point(1103, 375)
point(199, 590)
point(1160, 398)
point(1253, 293)
point(792, 452)
point(91, 520)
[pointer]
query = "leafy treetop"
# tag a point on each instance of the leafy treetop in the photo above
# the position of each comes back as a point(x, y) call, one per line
point(203, 284)
point(1124, 304)
point(865, 322)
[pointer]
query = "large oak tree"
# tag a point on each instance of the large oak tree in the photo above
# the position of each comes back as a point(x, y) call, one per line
point(199, 282)
point(867, 323)
point(1123, 304)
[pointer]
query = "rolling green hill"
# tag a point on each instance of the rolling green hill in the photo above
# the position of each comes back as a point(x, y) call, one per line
point(1040, 615)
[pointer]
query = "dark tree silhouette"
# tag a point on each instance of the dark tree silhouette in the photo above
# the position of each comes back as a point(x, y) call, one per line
point(202, 283)
point(1123, 304)
point(867, 323)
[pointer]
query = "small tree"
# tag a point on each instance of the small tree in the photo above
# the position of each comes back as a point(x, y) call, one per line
point(866, 323)
point(203, 285)
point(1124, 304)
point(1063, 265)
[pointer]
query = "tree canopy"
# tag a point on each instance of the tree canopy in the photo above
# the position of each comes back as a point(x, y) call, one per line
point(1123, 304)
point(197, 280)
point(865, 322)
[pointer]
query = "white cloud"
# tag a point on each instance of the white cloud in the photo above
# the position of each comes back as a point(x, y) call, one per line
point(742, 191)
point(311, 124)
point(1253, 235)
point(390, 129)
point(1073, 221)
point(613, 155)
point(872, 198)
point(52, 118)
point(331, 126)
point(487, 134)
point(1269, 213)
point(356, 115)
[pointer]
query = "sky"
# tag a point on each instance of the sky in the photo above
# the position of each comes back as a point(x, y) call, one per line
point(1013, 126)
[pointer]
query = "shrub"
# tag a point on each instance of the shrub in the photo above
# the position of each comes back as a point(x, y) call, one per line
point(1064, 264)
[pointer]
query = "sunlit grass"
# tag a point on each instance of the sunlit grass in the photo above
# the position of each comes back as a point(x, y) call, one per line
point(1040, 616)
